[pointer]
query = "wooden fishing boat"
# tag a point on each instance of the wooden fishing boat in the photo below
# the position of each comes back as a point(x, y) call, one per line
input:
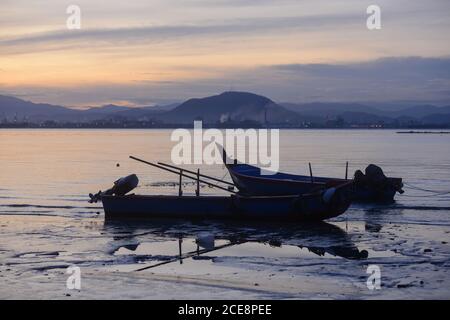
point(370, 187)
point(324, 203)
point(316, 206)
point(249, 180)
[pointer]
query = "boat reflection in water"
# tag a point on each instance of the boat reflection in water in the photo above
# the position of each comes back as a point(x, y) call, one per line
point(160, 243)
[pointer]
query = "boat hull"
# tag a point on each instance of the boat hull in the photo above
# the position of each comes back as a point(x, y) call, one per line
point(372, 194)
point(250, 182)
point(272, 186)
point(311, 207)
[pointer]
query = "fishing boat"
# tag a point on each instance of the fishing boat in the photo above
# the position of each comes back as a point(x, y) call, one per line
point(312, 206)
point(308, 207)
point(373, 186)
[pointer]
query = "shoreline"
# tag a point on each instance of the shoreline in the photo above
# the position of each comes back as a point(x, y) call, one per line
point(424, 132)
point(429, 131)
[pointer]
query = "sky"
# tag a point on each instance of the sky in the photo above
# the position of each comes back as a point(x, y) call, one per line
point(147, 52)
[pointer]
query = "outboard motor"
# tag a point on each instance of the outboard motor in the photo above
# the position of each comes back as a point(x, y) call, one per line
point(125, 185)
point(375, 186)
point(375, 174)
point(121, 187)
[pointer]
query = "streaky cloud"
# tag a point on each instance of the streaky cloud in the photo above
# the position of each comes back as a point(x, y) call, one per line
point(146, 34)
point(383, 68)
point(382, 80)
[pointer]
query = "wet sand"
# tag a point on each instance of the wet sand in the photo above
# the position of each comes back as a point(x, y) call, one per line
point(47, 225)
point(324, 261)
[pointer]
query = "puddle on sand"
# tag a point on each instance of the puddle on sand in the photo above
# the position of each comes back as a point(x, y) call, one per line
point(206, 255)
point(163, 248)
point(246, 249)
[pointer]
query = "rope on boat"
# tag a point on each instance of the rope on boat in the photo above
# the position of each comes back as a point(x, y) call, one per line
point(434, 193)
point(223, 178)
point(226, 173)
point(426, 190)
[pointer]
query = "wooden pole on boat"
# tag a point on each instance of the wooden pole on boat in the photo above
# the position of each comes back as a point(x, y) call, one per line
point(197, 191)
point(184, 175)
point(192, 172)
point(310, 173)
point(346, 170)
point(180, 241)
point(180, 190)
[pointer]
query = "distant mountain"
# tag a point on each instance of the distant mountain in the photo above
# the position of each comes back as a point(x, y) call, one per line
point(361, 118)
point(230, 106)
point(143, 113)
point(361, 113)
point(420, 111)
point(323, 109)
point(107, 109)
point(437, 119)
point(163, 108)
point(14, 108)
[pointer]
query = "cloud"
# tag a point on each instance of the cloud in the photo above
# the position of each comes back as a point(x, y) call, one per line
point(174, 49)
point(147, 34)
point(242, 3)
point(416, 79)
point(386, 79)
point(385, 68)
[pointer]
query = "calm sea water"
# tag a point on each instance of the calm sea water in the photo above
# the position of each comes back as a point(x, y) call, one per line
point(60, 167)
point(47, 174)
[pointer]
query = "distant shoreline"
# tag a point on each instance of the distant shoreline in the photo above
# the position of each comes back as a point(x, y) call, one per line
point(172, 127)
point(424, 132)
